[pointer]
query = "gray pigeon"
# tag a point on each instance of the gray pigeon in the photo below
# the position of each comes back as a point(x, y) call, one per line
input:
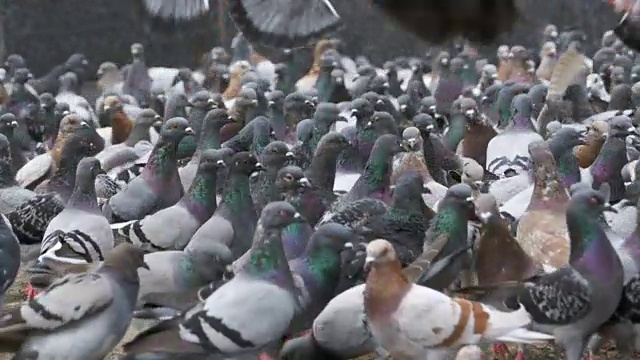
point(236, 207)
point(79, 317)
point(12, 195)
point(79, 233)
point(9, 256)
point(264, 286)
point(172, 228)
point(158, 186)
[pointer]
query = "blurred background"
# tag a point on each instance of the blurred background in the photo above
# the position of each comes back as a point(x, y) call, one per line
point(47, 32)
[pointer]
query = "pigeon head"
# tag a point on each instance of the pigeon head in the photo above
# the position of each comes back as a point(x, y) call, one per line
point(550, 32)
point(424, 122)
point(412, 138)
point(361, 109)
point(298, 103)
point(76, 62)
point(83, 142)
point(338, 76)
point(148, 118)
point(566, 138)
point(184, 75)
point(137, 50)
point(312, 94)
point(405, 106)
point(468, 107)
point(106, 68)
point(22, 75)
point(503, 52)
point(373, 98)
point(390, 67)
point(47, 101)
point(618, 74)
point(8, 124)
point(211, 160)
point(521, 107)
point(326, 114)
point(291, 178)
point(72, 122)
point(328, 62)
point(245, 163)
point(486, 205)
point(379, 84)
point(380, 252)
point(278, 214)
point(332, 236)
point(538, 94)
point(275, 99)
point(388, 145)
point(112, 104)
point(88, 169)
point(217, 118)
point(247, 97)
point(407, 190)
point(175, 129)
point(202, 101)
point(489, 72)
point(14, 61)
point(61, 109)
point(333, 142)
point(263, 85)
point(621, 127)
point(587, 201)
point(126, 259)
point(275, 155)
point(428, 105)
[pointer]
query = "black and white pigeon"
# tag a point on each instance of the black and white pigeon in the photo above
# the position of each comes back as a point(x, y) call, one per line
point(79, 317)
point(79, 234)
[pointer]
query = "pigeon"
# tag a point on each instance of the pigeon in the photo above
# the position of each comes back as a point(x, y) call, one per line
point(12, 195)
point(386, 284)
point(186, 216)
point(209, 139)
point(129, 151)
point(447, 232)
point(612, 157)
point(573, 301)
point(236, 206)
point(158, 186)
point(79, 234)
point(9, 128)
point(9, 255)
point(376, 178)
point(562, 144)
point(30, 219)
point(274, 157)
point(81, 316)
point(508, 152)
point(263, 285)
point(321, 173)
point(413, 161)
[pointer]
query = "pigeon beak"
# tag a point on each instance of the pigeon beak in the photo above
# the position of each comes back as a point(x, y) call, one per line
point(369, 125)
point(107, 108)
point(304, 182)
point(470, 113)
point(157, 123)
point(554, 34)
point(425, 189)
point(14, 124)
point(221, 163)
point(432, 108)
point(65, 113)
point(310, 103)
point(259, 167)
point(254, 101)
point(84, 124)
point(632, 130)
point(412, 143)
point(469, 199)
point(403, 107)
point(297, 216)
point(609, 208)
point(271, 102)
point(354, 112)
point(290, 155)
point(100, 72)
point(85, 62)
point(145, 266)
point(189, 131)
point(386, 85)
point(484, 216)
point(430, 127)
point(211, 102)
point(380, 102)
point(230, 119)
point(43, 106)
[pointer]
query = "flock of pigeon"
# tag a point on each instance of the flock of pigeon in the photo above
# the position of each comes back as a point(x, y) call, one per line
point(414, 210)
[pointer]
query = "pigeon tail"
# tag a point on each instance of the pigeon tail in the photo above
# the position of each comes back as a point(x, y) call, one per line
point(524, 336)
point(506, 324)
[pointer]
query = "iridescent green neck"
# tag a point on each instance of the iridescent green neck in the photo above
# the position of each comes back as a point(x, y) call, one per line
point(162, 161)
point(200, 200)
point(324, 265)
point(447, 220)
point(267, 257)
point(237, 192)
point(377, 171)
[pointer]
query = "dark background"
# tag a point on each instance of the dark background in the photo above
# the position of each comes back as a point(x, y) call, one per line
point(46, 32)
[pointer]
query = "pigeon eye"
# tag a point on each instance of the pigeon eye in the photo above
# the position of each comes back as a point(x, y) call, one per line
point(288, 177)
